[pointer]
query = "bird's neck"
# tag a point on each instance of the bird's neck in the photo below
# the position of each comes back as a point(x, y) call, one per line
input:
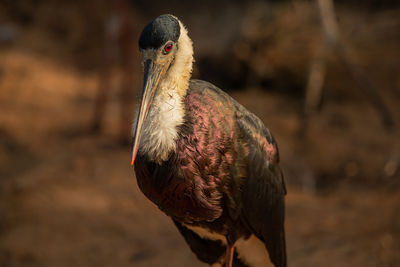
point(168, 110)
point(180, 71)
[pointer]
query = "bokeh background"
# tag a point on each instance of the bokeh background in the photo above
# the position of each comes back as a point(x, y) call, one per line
point(70, 77)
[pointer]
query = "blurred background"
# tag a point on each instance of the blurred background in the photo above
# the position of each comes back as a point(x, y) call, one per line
point(324, 76)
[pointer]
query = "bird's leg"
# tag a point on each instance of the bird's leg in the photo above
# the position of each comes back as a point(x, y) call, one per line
point(226, 259)
point(229, 255)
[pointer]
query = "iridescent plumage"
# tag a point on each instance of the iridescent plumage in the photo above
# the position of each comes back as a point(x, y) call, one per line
point(221, 173)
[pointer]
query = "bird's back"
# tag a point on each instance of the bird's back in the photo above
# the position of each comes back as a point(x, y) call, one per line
point(231, 131)
point(254, 187)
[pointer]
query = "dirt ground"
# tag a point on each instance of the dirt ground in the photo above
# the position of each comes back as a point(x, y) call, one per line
point(70, 198)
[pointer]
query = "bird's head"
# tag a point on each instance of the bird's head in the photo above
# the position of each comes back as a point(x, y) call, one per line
point(167, 60)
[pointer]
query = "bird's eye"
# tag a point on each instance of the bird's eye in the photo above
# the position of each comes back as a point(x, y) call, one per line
point(167, 48)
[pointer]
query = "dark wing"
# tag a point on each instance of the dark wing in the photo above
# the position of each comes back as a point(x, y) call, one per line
point(208, 251)
point(254, 171)
point(263, 192)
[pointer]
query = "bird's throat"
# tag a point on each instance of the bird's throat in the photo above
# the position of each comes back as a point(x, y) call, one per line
point(161, 126)
point(167, 111)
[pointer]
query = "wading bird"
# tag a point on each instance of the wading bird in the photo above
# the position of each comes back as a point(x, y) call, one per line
point(203, 159)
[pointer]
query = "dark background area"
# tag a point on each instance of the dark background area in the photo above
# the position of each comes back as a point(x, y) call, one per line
point(68, 195)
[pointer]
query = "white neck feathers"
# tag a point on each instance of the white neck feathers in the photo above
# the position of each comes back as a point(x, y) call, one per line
point(167, 110)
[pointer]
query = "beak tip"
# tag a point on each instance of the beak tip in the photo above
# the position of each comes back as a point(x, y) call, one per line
point(133, 157)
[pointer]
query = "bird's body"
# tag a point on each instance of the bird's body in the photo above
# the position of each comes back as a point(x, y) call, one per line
point(206, 161)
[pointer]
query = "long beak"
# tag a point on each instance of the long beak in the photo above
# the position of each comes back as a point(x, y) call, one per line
point(152, 74)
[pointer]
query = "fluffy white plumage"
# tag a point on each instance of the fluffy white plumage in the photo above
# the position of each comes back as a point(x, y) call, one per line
point(167, 111)
point(160, 129)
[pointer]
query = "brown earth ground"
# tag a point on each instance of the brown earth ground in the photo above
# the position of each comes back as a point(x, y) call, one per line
point(69, 198)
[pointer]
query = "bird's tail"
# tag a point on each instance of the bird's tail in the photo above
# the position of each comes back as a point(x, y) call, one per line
point(277, 252)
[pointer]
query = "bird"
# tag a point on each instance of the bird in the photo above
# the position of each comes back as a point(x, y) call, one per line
point(204, 159)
